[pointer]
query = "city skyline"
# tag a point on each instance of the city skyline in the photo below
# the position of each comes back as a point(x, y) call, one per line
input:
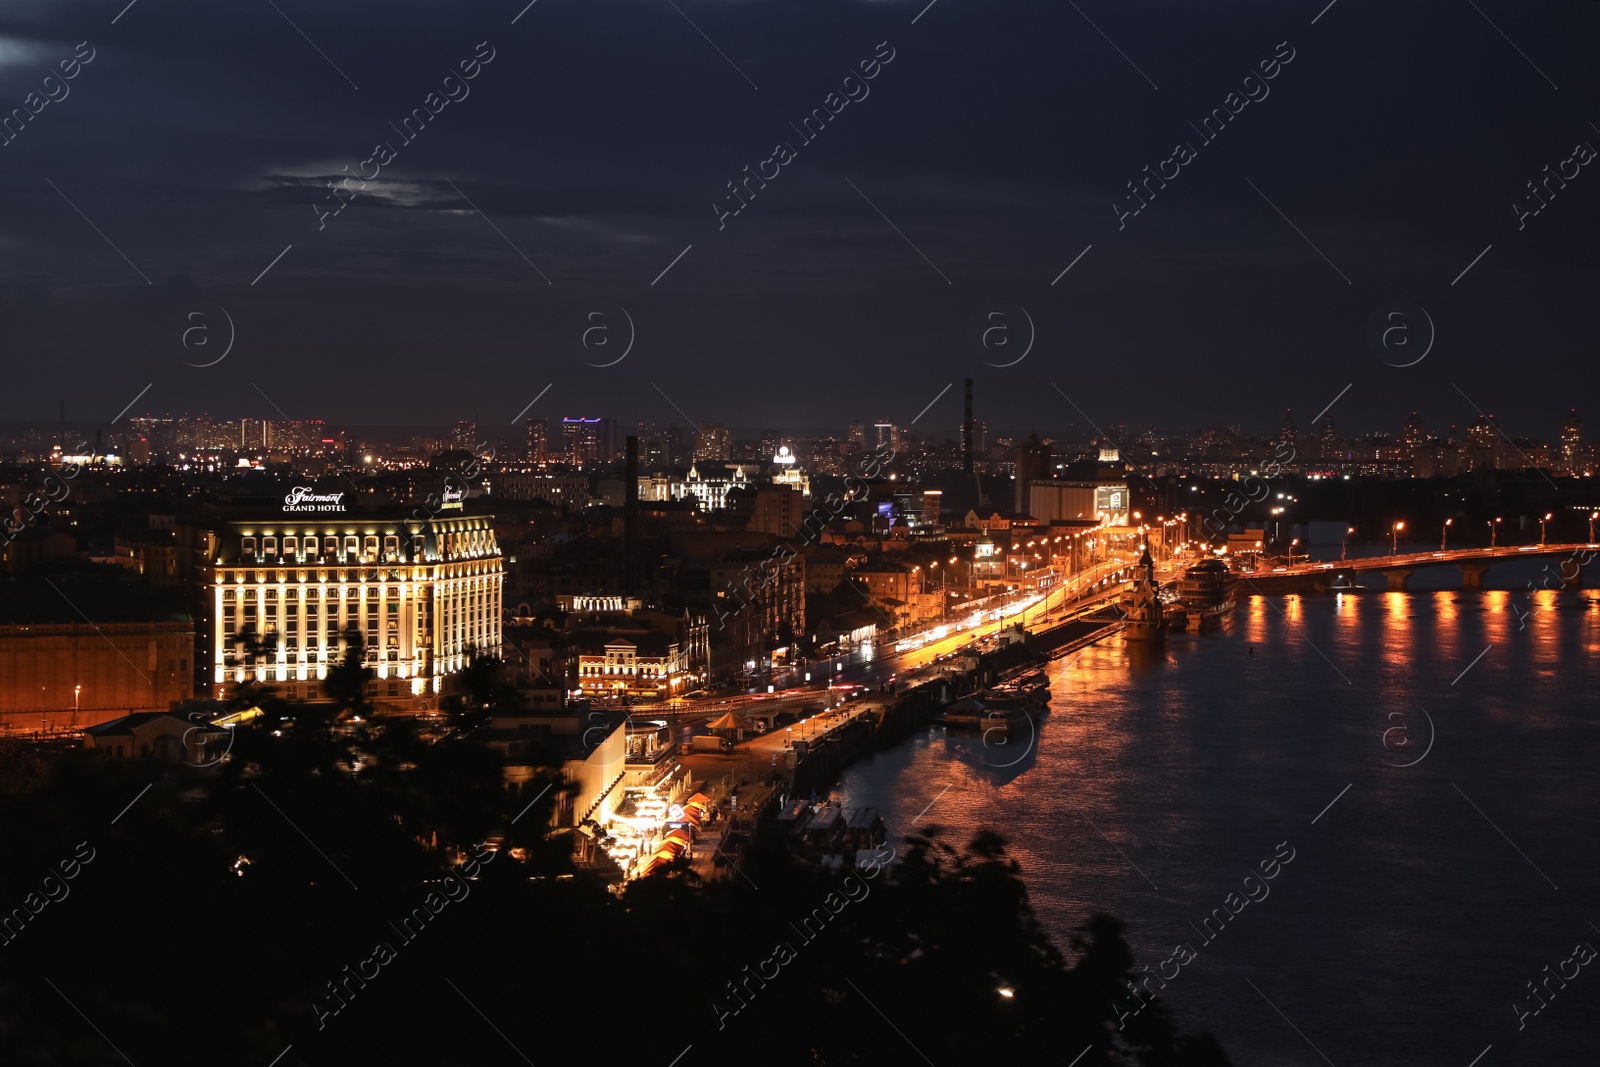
point(1534, 427)
point(862, 520)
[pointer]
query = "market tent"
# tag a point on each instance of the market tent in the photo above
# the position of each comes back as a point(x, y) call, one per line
point(731, 720)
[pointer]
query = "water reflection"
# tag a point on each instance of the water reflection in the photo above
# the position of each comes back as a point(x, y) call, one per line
point(1196, 756)
point(1145, 657)
point(999, 755)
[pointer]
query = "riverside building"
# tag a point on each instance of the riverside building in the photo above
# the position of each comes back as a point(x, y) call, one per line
point(284, 594)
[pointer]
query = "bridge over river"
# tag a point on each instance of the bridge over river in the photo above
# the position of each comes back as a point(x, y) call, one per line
point(1565, 568)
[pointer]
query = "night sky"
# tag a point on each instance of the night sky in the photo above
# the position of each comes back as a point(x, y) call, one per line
point(597, 141)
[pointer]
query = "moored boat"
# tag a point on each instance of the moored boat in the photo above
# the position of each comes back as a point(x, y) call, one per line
point(1207, 594)
point(1002, 706)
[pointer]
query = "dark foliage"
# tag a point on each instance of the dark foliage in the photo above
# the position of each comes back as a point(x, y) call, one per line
point(182, 954)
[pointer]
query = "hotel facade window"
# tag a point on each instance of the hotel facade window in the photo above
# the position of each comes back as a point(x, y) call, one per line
point(437, 587)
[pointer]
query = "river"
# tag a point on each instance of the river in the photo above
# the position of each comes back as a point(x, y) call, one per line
point(1419, 901)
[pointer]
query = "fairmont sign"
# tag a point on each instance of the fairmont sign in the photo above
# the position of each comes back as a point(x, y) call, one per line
point(303, 498)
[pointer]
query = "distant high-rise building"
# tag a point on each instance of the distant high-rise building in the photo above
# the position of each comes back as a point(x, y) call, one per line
point(588, 441)
point(1288, 431)
point(713, 441)
point(1033, 464)
point(886, 436)
point(1412, 437)
point(161, 434)
point(538, 441)
point(671, 446)
point(464, 437)
point(966, 430)
point(857, 437)
point(1328, 445)
point(252, 435)
point(1573, 455)
point(1482, 436)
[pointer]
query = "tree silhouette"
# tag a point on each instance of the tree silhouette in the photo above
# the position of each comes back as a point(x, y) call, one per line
point(256, 648)
point(347, 683)
point(928, 943)
point(484, 689)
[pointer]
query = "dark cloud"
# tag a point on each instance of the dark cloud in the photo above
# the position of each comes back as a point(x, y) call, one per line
point(201, 137)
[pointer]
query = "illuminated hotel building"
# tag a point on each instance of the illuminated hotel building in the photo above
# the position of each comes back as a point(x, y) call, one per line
point(423, 594)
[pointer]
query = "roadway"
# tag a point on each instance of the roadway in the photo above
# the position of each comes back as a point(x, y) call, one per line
point(840, 678)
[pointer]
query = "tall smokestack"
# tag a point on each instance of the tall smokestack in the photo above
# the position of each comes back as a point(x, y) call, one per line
point(966, 434)
point(630, 496)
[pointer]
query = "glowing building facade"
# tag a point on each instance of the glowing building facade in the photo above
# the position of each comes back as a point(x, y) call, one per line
point(285, 594)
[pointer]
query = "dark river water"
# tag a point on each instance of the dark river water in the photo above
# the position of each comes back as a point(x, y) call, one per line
point(1416, 909)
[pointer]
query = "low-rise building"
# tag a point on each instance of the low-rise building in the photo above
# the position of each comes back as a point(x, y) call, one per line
point(82, 645)
point(825, 569)
point(589, 747)
point(641, 654)
point(164, 736)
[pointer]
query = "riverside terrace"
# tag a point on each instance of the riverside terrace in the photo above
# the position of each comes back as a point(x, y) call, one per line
point(1473, 563)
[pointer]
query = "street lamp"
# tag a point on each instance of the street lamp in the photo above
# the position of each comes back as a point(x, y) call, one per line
point(1444, 532)
point(1593, 515)
point(1493, 526)
point(1394, 541)
point(1542, 524)
point(1344, 543)
point(75, 691)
